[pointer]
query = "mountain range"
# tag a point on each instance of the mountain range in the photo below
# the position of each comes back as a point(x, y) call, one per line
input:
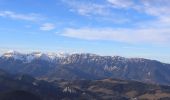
point(54, 66)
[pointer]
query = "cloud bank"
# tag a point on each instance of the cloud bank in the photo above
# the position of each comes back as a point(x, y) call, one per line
point(153, 31)
point(14, 15)
point(153, 36)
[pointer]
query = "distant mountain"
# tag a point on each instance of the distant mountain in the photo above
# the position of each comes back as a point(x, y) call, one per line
point(52, 66)
point(32, 56)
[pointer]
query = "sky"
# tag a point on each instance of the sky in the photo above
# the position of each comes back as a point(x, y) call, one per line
point(129, 28)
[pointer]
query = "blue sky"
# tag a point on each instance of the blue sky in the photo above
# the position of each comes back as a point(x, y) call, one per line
point(130, 28)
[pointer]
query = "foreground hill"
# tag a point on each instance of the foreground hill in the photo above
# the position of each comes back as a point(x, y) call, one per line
point(85, 66)
point(114, 89)
point(13, 85)
point(18, 95)
point(24, 87)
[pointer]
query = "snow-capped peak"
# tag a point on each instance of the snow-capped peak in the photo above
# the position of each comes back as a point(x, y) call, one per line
point(34, 55)
point(57, 55)
point(13, 54)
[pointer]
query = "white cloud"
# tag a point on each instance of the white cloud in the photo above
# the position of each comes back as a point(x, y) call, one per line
point(14, 15)
point(103, 11)
point(158, 8)
point(150, 35)
point(96, 11)
point(87, 8)
point(47, 27)
point(121, 3)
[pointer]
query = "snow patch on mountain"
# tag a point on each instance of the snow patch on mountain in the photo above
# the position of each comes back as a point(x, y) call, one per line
point(111, 68)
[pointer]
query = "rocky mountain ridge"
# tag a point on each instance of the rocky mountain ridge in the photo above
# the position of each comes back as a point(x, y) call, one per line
point(85, 66)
